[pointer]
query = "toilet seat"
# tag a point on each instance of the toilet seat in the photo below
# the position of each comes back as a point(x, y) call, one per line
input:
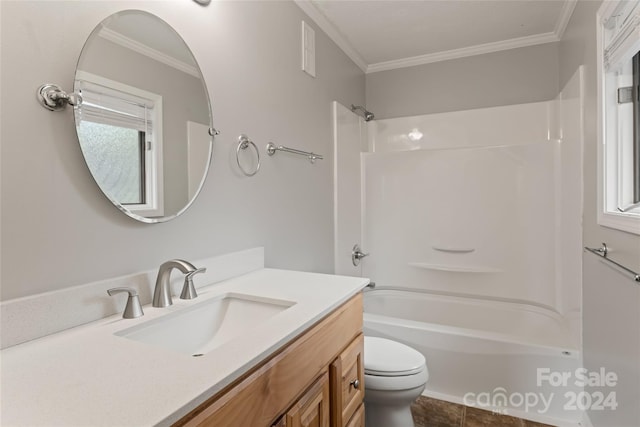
point(386, 358)
point(404, 382)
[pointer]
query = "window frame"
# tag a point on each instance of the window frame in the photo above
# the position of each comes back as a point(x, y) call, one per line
point(609, 195)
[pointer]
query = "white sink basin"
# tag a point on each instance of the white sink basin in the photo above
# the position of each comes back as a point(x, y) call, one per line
point(199, 329)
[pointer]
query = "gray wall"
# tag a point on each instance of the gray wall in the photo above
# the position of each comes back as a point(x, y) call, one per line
point(58, 230)
point(512, 76)
point(611, 307)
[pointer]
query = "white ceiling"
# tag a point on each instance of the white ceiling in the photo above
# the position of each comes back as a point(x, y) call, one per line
point(386, 34)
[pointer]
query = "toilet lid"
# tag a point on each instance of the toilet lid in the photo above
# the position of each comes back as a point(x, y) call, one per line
point(388, 358)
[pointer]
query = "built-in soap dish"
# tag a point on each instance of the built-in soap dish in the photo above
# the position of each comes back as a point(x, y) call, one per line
point(455, 268)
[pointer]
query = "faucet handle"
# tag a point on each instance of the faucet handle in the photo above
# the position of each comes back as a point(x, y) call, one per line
point(188, 290)
point(133, 308)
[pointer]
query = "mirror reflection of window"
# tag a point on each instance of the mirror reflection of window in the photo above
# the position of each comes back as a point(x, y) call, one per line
point(107, 146)
point(118, 127)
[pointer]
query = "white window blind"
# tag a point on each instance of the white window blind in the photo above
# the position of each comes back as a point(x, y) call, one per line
point(622, 35)
point(109, 106)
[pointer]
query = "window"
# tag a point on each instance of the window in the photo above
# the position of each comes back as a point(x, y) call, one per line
point(619, 115)
point(106, 145)
point(120, 128)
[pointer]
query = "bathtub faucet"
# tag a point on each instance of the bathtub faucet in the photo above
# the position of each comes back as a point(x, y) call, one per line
point(357, 255)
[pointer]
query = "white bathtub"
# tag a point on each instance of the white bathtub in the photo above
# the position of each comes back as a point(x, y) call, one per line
point(487, 353)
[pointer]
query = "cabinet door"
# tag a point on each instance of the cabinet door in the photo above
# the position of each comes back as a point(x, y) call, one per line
point(347, 382)
point(312, 409)
point(358, 418)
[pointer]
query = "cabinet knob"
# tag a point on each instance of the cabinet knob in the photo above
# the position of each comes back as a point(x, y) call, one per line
point(355, 384)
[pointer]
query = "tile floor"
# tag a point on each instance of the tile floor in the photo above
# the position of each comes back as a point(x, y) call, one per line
point(429, 412)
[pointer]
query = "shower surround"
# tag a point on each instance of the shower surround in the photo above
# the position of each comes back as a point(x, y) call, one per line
point(471, 209)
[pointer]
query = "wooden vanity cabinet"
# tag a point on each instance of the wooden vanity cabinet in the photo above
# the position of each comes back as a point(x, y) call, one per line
point(308, 383)
point(357, 420)
point(312, 409)
point(347, 382)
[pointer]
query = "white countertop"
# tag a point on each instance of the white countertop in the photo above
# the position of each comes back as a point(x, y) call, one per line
point(87, 376)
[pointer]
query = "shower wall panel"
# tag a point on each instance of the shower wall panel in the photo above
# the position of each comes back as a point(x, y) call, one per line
point(349, 133)
point(477, 221)
point(485, 203)
point(506, 125)
point(569, 199)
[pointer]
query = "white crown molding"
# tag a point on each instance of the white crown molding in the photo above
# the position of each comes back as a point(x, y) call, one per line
point(565, 16)
point(334, 34)
point(463, 52)
point(136, 46)
point(321, 21)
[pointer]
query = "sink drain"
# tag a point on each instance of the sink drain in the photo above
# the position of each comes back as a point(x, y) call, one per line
point(197, 355)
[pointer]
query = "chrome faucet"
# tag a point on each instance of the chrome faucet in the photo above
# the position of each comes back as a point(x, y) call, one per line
point(133, 308)
point(162, 292)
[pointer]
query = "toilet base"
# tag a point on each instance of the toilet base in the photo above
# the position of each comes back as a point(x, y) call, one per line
point(388, 416)
point(390, 408)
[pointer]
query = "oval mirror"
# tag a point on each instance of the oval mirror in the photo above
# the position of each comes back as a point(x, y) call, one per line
point(144, 124)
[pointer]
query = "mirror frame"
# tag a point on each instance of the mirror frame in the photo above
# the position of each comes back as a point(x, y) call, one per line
point(212, 132)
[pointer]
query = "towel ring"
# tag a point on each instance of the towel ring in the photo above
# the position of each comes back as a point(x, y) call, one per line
point(243, 143)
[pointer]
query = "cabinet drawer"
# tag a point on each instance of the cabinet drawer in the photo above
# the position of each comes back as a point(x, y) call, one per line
point(347, 382)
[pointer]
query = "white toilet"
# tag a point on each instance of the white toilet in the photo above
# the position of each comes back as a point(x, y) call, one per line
point(394, 376)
